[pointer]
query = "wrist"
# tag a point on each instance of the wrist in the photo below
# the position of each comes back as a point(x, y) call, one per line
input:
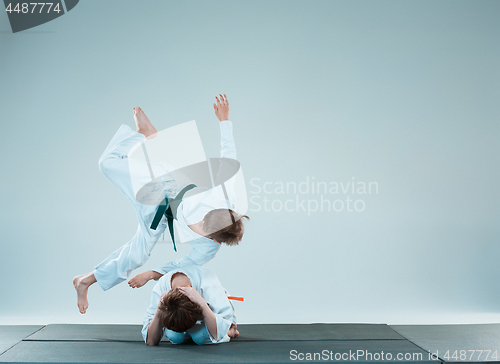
point(154, 275)
point(205, 308)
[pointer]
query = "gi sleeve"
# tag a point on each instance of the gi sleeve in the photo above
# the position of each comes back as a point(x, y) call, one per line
point(228, 149)
point(223, 324)
point(218, 302)
point(195, 257)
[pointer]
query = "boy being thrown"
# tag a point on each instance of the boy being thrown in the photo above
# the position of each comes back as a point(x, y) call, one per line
point(206, 223)
point(179, 309)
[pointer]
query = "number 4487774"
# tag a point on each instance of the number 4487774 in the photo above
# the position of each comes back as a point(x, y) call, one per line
point(25, 7)
point(462, 355)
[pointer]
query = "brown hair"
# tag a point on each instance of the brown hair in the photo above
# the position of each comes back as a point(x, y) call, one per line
point(224, 226)
point(179, 313)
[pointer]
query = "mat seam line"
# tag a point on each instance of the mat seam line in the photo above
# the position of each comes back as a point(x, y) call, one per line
point(418, 346)
point(21, 340)
point(136, 341)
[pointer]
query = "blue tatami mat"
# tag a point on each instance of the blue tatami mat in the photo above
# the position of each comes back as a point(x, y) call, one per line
point(456, 343)
point(77, 332)
point(233, 352)
point(276, 332)
point(10, 335)
point(360, 343)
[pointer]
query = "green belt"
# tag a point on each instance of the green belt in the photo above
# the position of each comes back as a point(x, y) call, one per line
point(169, 209)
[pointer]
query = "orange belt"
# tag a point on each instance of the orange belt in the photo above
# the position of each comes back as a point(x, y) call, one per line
point(235, 298)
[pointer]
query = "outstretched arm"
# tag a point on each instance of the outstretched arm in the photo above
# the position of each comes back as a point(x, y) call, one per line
point(141, 279)
point(195, 257)
point(228, 149)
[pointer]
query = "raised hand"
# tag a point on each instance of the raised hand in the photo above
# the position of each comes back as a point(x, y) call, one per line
point(222, 108)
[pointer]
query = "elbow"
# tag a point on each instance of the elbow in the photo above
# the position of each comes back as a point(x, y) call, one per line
point(152, 343)
point(229, 156)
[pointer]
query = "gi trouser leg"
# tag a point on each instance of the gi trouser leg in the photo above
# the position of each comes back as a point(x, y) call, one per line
point(114, 164)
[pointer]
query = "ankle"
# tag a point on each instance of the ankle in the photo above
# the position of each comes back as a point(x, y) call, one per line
point(88, 279)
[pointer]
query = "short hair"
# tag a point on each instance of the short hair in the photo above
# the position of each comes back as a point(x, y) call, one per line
point(224, 226)
point(179, 313)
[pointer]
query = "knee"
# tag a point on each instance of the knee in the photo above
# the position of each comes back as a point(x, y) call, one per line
point(201, 337)
point(104, 163)
point(176, 337)
point(110, 160)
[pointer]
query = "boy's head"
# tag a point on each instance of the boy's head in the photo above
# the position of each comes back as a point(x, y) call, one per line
point(224, 226)
point(179, 313)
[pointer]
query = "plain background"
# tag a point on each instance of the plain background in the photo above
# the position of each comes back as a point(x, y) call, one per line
point(403, 93)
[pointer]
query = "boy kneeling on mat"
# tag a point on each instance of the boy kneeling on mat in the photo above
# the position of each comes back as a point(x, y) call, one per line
point(189, 304)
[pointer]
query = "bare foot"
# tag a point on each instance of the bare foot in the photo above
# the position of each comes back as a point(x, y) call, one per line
point(82, 284)
point(143, 124)
point(233, 332)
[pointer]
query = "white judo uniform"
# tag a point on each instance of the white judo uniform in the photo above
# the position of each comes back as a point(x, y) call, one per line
point(114, 164)
point(210, 288)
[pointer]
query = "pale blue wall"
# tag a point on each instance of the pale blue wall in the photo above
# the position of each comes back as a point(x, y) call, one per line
point(403, 93)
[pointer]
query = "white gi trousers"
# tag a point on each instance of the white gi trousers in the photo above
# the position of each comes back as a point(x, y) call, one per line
point(114, 164)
